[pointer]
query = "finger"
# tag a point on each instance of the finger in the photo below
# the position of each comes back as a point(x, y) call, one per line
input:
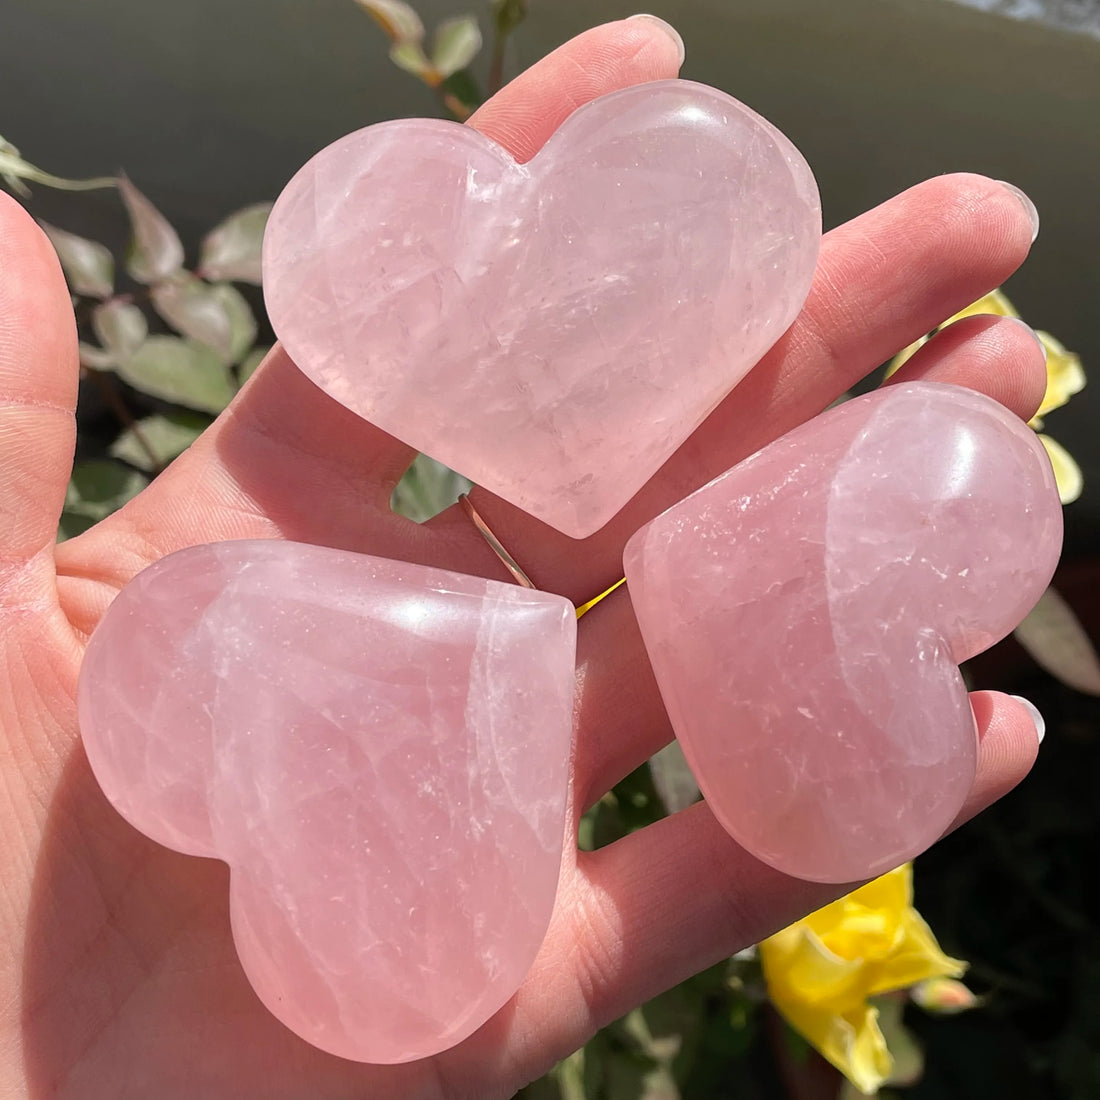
point(882, 281)
point(1010, 734)
point(283, 460)
point(286, 460)
point(38, 384)
point(620, 705)
point(523, 115)
point(1003, 352)
point(678, 896)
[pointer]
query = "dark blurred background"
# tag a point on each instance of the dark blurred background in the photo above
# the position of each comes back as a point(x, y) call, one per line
point(210, 105)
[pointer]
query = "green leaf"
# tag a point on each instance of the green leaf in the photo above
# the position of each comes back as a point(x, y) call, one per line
point(233, 249)
point(905, 1050)
point(167, 435)
point(462, 87)
point(181, 371)
point(571, 1076)
point(88, 265)
point(673, 779)
point(120, 327)
point(455, 44)
point(217, 316)
point(96, 489)
point(396, 18)
point(242, 321)
point(508, 15)
point(250, 362)
point(426, 489)
point(661, 1047)
point(96, 358)
point(411, 57)
point(1054, 636)
point(196, 311)
point(156, 251)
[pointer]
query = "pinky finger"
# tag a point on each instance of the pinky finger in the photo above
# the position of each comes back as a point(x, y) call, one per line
point(676, 897)
point(1010, 730)
point(998, 356)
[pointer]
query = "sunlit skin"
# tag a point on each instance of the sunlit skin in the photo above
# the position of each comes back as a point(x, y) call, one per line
point(119, 975)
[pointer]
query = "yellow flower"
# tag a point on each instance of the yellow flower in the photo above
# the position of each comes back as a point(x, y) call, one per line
point(1065, 377)
point(1067, 474)
point(994, 303)
point(822, 971)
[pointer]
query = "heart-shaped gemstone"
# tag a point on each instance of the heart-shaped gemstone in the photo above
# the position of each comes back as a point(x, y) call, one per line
point(553, 330)
point(380, 753)
point(805, 614)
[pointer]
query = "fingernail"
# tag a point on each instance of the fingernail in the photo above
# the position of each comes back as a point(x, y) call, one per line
point(670, 30)
point(1036, 717)
point(1027, 204)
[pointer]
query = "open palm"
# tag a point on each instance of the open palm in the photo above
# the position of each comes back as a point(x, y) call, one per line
point(119, 977)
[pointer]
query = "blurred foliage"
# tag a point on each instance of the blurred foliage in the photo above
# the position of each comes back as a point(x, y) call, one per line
point(166, 348)
point(457, 41)
point(166, 345)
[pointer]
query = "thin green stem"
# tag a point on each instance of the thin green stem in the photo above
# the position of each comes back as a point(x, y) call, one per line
point(106, 386)
point(496, 63)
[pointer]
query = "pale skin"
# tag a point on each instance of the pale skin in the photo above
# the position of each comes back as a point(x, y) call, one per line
point(118, 972)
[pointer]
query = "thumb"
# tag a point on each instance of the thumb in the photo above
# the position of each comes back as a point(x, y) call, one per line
point(38, 386)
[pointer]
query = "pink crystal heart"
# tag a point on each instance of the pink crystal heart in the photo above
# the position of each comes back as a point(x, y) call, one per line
point(552, 330)
point(805, 614)
point(380, 753)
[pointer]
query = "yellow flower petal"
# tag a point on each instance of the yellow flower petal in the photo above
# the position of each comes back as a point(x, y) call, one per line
point(995, 304)
point(904, 356)
point(917, 957)
point(822, 971)
point(892, 892)
point(798, 967)
point(1066, 472)
point(866, 923)
point(1065, 375)
point(853, 1042)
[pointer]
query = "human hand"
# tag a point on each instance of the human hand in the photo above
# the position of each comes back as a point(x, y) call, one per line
point(121, 977)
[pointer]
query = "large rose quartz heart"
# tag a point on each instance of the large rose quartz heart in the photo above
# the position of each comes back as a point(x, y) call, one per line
point(552, 330)
point(380, 753)
point(805, 614)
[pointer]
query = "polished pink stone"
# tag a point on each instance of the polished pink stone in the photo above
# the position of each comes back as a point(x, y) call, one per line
point(806, 612)
point(380, 753)
point(553, 330)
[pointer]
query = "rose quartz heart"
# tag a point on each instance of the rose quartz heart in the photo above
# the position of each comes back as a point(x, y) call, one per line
point(552, 330)
point(805, 614)
point(380, 753)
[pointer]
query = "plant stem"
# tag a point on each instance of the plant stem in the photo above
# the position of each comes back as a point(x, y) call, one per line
point(452, 103)
point(125, 416)
point(496, 64)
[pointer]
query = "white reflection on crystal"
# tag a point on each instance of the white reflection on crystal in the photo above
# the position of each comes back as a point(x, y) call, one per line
point(960, 474)
point(411, 613)
point(481, 190)
point(691, 112)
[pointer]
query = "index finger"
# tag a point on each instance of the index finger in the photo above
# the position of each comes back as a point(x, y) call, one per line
point(287, 461)
point(523, 115)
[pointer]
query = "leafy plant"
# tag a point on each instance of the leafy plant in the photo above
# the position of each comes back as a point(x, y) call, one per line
point(167, 345)
point(455, 44)
point(186, 339)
